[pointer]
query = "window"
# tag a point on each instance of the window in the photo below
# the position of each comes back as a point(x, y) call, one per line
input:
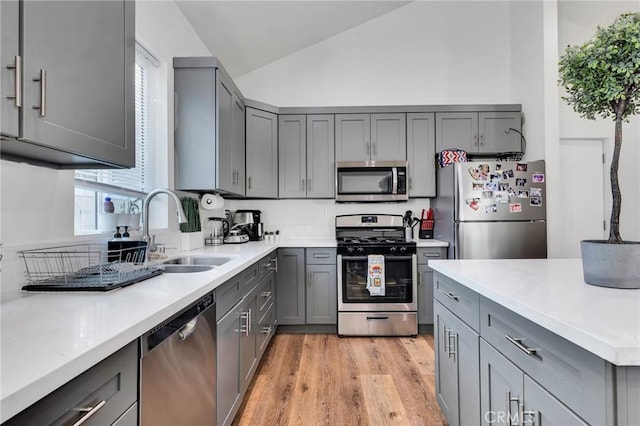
point(126, 187)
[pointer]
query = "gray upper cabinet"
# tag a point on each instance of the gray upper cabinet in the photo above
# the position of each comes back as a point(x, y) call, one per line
point(262, 153)
point(421, 150)
point(371, 137)
point(209, 128)
point(306, 156)
point(479, 132)
point(74, 80)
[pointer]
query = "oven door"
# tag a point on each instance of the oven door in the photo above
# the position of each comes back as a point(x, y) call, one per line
point(401, 286)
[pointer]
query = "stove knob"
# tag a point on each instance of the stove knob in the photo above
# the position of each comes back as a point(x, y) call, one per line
point(349, 249)
point(403, 248)
point(393, 249)
point(360, 249)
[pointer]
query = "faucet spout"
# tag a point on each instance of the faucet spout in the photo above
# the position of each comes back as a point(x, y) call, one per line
point(145, 212)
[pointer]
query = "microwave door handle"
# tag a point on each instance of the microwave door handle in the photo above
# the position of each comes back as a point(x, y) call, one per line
point(394, 172)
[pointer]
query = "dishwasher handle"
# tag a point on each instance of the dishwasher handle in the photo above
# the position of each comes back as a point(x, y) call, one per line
point(187, 329)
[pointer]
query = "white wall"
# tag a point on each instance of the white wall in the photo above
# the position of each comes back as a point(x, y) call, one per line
point(37, 203)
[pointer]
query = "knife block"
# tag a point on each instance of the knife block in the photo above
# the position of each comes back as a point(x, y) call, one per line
point(426, 229)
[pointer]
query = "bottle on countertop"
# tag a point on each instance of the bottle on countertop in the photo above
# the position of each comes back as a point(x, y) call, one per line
point(108, 206)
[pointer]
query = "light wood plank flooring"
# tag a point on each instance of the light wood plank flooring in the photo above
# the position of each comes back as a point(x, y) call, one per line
point(321, 379)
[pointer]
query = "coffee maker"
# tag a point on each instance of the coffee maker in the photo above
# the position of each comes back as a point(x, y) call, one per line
point(248, 222)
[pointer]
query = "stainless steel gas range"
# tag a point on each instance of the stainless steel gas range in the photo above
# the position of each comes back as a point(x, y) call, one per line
point(377, 277)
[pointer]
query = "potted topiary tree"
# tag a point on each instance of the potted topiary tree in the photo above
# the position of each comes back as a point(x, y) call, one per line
point(602, 78)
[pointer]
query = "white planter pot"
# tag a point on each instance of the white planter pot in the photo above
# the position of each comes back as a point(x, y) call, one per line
point(611, 265)
point(191, 240)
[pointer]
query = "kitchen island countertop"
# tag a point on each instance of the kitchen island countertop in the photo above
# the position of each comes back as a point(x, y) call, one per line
point(553, 294)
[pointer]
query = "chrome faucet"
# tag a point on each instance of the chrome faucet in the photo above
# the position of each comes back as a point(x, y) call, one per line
point(145, 215)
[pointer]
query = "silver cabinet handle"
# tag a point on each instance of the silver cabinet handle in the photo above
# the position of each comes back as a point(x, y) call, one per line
point(309, 279)
point(275, 261)
point(17, 66)
point(420, 279)
point(90, 412)
point(187, 329)
point(244, 328)
point(266, 330)
point(511, 399)
point(320, 256)
point(265, 294)
point(450, 295)
point(304, 184)
point(43, 93)
point(249, 327)
point(410, 183)
point(249, 182)
point(446, 339)
point(453, 347)
point(308, 184)
point(368, 145)
point(374, 149)
point(517, 341)
point(481, 139)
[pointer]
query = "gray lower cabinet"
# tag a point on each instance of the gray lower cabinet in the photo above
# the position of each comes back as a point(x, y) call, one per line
point(261, 153)
point(110, 388)
point(306, 156)
point(425, 282)
point(64, 105)
point(371, 137)
point(479, 132)
point(457, 358)
point(510, 397)
point(209, 128)
point(322, 286)
point(228, 365)
point(291, 282)
point(421, 150)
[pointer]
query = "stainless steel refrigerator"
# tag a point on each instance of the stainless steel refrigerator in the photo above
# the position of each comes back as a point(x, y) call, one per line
point(492, 210)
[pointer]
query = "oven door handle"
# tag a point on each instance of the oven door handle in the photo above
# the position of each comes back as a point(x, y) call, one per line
point(407, 257)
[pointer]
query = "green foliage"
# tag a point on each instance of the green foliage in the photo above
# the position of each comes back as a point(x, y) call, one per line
point(192, 212)
point(602, 77)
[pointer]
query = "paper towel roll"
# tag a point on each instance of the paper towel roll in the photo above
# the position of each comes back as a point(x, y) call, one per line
point(211, 202)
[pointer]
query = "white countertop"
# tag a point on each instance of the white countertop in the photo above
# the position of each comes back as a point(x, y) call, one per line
point(49, 338)
point(553, 294)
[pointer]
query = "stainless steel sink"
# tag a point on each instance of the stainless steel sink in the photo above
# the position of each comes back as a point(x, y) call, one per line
point(185, 269)
point(198, 260)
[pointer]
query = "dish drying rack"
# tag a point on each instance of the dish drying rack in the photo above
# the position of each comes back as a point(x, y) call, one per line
point(87, 267)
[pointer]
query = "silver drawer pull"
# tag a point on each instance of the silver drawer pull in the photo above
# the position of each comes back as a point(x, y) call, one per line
point(321, 256)
point(265, 294)
point(450, 295)
point(17, 66)
point(519, 345)
point(266, 330)
point(90, 412)
point(42, 78)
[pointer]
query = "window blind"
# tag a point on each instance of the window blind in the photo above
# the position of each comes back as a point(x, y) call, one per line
point(143, 178)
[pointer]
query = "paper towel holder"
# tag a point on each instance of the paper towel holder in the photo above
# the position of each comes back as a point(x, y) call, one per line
point(211, 202)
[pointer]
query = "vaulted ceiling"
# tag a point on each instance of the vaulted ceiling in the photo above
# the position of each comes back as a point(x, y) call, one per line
point(246, 35)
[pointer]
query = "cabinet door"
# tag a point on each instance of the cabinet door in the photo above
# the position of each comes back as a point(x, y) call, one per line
point(86, 99)
point(421, 150)
point(425, 295)
point(248, 348)
point(224, 143)
point(502, 388)
point(446, 367)
point(292, 155)
point(322, 298)
point(320, 156)
point(353, 137)
point(388, 137)
point(9, 78)
point(290, 293)
point(495, 133)
point(457, 130)
point(238, 145)
point(542, 408)
point(228, 365)
point(262, 154)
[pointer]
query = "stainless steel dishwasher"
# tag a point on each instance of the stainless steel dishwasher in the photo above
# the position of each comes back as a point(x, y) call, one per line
point(178, 368)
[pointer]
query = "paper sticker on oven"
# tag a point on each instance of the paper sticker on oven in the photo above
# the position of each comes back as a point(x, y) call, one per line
point(515, 208)
point(535, 192)
point(491, 208)
point(537, 177)
point(535, 201)
point(473, 203)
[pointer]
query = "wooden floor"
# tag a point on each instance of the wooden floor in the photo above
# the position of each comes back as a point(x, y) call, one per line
point(321, 379)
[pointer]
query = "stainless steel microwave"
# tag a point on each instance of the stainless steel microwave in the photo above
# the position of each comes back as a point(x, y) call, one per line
point(368, 181)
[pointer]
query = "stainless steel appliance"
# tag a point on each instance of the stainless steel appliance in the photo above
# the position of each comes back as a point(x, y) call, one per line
point(492, 210)
point(367, 242)
point(178, 368)
point(371, 181)
point(248, 222)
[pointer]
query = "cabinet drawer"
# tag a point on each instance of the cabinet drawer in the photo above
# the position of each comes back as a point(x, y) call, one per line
point(267, 264)
point(248, 279)
point(265, 294)
point(578, 378)
point(227, 295)
point(111, 384)
point(464, 303)
point(321, 256)
point(266, 328)
point(424, 254)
